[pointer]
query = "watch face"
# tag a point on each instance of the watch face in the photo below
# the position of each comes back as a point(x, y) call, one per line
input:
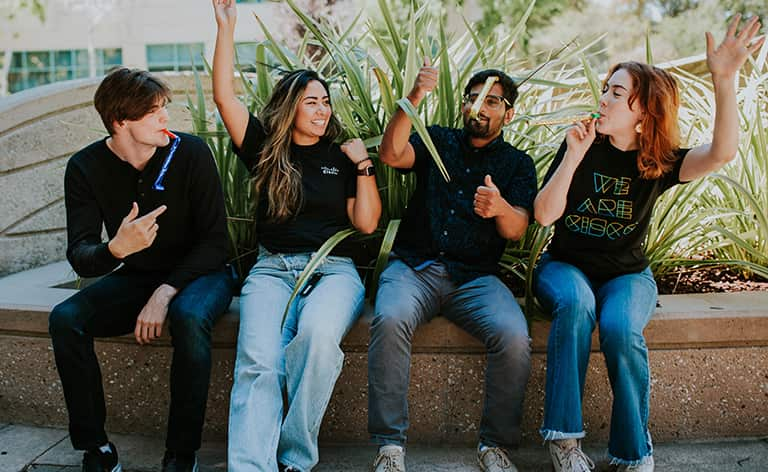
point(368, 171)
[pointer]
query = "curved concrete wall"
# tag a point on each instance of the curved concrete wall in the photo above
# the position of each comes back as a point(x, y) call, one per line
point(39, 130)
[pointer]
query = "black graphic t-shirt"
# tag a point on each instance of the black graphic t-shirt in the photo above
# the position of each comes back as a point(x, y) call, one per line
point(328, 179)
point(608, 210)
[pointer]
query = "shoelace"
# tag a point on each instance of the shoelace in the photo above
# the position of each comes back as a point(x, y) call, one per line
point(575, 457)
point(390, 464)
point(497, 457)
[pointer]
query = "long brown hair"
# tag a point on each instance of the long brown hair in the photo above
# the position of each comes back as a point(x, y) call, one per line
point(656, 92)
point(276, 173)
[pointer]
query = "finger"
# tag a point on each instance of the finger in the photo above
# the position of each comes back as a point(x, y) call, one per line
point(132, 214)
point(734, 24)
point(747, 28)
point(756, 45)
point(488, 181)
point(710, 43)
point(158, 330)
point(156, 212)
point(427, 61)
point(752, 31)
point(137, 332)
point(145, 332)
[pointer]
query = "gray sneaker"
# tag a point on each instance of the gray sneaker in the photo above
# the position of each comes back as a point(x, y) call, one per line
point(567, 456)
point(391, 458)
point(647, 466)
point(495, 459)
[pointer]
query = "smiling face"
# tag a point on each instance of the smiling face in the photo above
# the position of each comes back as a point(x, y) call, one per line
point(491, 118)
point(313, 113)
point(618, 119)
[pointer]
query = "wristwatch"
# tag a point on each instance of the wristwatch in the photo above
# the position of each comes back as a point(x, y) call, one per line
point(367, 171)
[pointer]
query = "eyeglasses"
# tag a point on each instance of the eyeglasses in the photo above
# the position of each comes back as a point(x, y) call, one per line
point(491, 101)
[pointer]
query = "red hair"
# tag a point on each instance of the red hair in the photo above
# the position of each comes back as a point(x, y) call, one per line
point(656, 92)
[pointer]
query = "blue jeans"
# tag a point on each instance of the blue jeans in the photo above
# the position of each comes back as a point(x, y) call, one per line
point(109, 308)
point(485, 308)
point(302, 362)
point(622, 307)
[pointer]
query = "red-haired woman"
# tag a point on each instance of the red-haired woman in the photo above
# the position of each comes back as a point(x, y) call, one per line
point(600, 194)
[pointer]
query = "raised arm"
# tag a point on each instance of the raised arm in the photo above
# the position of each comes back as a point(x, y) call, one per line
point(395, 150)
point(550, 202)
point(233, 113)
point(724, 62)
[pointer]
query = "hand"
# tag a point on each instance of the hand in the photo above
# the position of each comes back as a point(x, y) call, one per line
point(226, 13)
point(426, 81)
point(726, 60)
point(149, 324)
point(579, 138)
point(488, 200)
point(135, 234)
point(355, 150)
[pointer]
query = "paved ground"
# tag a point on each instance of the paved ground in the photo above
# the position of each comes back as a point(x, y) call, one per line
point(34, 449)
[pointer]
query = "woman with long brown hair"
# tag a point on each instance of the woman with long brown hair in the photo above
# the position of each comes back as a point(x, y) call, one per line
point(600, 194)
point(308, 189)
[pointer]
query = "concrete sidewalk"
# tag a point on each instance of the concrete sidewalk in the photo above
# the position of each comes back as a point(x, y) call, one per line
point(38, 449)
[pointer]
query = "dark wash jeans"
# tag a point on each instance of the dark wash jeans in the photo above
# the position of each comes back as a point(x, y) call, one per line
point(485, 308)
point(109, 308)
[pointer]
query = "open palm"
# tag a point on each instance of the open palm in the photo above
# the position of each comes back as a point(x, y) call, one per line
point(226, 12)
point(727, 58)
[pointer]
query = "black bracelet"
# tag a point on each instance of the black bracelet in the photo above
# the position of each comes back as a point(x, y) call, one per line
point(363, 160)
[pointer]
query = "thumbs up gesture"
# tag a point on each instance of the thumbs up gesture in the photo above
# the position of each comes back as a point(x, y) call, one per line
point(488, 200)
point(135, 234)
point(426, 81)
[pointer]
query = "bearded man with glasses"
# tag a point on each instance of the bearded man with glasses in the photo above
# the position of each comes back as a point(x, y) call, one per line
point(445, 261)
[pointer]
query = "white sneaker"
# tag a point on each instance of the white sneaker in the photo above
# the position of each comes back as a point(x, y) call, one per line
point(645, 467)
point(567, 456)
point(391, 458)
point(494, 459)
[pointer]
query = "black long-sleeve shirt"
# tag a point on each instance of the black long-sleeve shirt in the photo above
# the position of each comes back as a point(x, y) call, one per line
point(192, 239)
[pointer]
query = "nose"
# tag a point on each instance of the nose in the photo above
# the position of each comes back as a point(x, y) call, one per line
point(163, 115)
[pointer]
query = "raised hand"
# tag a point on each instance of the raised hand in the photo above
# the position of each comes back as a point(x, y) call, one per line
point(426, 81)
point(579, 138)
point(226, 13)
point(135, 234)
point(488, 200)
point(355, 150)
point(726, 59)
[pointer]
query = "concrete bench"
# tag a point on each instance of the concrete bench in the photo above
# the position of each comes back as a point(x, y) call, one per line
point(708, 353)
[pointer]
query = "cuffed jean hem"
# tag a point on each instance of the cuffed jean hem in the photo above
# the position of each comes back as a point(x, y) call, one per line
point(642, 460)
point(290, 464)
point(552, 435)
point(382, 441)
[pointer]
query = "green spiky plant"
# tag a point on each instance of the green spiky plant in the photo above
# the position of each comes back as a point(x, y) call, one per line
point(371, 66)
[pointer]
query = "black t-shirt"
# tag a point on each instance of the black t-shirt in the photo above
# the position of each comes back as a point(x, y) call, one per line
point(328, 179)
point(608, 210)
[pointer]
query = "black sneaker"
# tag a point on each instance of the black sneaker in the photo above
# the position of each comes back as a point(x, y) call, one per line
point(173, 462)
point(100, 461)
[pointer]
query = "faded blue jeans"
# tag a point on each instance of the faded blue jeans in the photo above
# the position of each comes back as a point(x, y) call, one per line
point(302, 362)
point(622, 307)
point(485, 308)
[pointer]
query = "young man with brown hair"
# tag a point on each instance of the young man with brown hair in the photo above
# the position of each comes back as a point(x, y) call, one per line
point(159, 196)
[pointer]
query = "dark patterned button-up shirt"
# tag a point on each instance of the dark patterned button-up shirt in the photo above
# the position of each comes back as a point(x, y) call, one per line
point(440, 223)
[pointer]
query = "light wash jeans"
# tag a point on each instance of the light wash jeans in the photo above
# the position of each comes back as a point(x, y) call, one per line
point(302, 363)
point(485, 308)
point(622, 307)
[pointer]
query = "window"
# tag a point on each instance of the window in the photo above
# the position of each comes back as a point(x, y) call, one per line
point(32, 68)
point(246, 56)
point(174, 57)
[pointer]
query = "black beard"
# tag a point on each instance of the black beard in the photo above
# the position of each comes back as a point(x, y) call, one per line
point(476, 128)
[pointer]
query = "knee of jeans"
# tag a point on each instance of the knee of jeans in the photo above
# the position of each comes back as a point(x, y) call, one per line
point(393, 319)
point(511, 342)
point(617, 339)
point(189, 327)
point(63, 318)
point(319, 338)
